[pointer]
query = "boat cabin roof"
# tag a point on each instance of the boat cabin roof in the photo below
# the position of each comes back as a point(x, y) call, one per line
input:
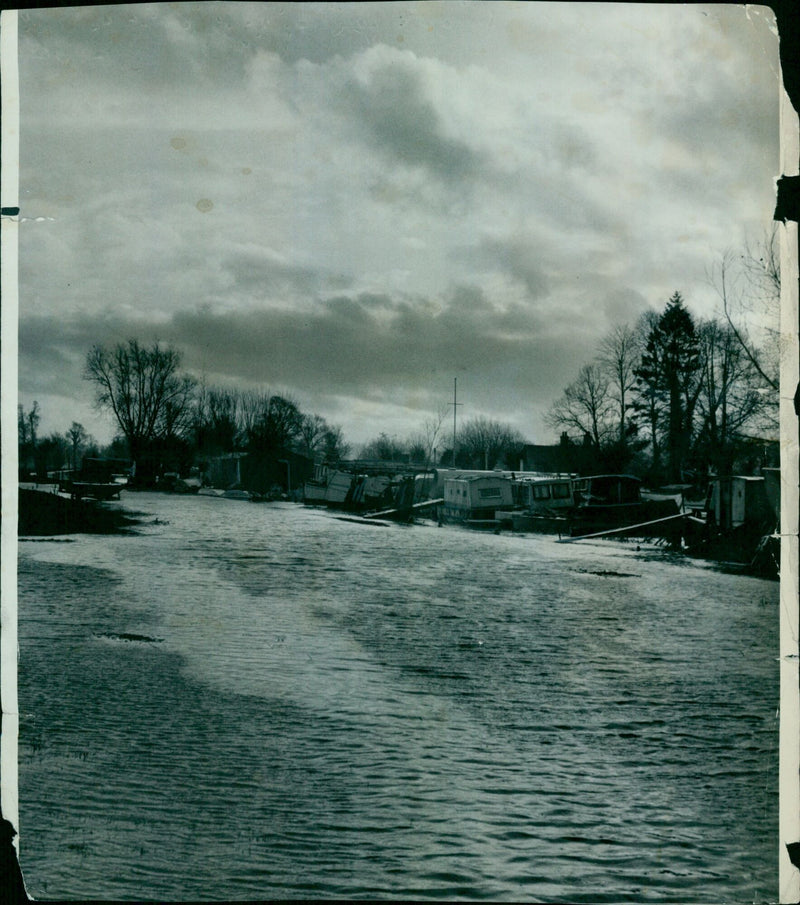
point(545, 479)
point(475, 476)
point(612, 477)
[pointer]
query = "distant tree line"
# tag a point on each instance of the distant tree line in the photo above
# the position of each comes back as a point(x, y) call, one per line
point(40, 455)
point(227, 420)
point(163, 413)
point(674, 397)
point(480, 443)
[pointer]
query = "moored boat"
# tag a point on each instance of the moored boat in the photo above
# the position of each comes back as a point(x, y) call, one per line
point(473, 498)
point(740, 522)
point(97, 479)
point(614, 502)
point(542, 504)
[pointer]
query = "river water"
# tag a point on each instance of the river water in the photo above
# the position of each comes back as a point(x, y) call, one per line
point(266, 701)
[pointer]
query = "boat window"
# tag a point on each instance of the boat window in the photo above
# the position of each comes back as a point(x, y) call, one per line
point(541, 491)
point(561, 491)
point(486, 492)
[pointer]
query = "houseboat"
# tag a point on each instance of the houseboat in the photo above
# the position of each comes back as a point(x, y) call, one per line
point(329, 487)
point(742, 521)
point(370, 492)
point(339, 488)
point(473, 498)
point(541, 503)
point(615, 501)
point(97, 479)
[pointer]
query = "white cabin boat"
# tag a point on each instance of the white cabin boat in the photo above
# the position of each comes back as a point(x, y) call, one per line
point(542, 503)
point(474, 499)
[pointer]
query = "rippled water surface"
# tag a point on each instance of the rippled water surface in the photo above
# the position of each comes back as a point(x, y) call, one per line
point(269, 702)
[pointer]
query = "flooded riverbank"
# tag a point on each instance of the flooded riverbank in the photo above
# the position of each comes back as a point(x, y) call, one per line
point(268, 702)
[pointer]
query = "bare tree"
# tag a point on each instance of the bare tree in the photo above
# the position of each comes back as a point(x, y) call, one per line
point(141, 386)
point(252, 404)
point(179, 408)
point(77, 437)
point(749, 286)
point(620, 351)
point(586, 405)
point(28, 424)
point(312, 433)
point(385, 449)
point(728, 398)
point(422, 443)
point(216, 420)
point(277, 425)
point(27, 427)
point(487, 443)
point(417, 449)
point(762, 265)
point(432, 431)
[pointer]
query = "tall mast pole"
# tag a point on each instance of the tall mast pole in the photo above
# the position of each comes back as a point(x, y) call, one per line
point(455, 393)
point(456, 403)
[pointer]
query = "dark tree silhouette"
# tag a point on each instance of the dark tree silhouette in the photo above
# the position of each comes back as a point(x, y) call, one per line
point(749, 287)
point(216, 424)
point(729, 398)
point(27, 427)
point(276, 426)
point(668, 384)
point(312, 434)
point(385, 449)
point(77, 438)
point(334, 447)
point(485, 443)
point(620, 351)
point(586, 405)
point(141, 386)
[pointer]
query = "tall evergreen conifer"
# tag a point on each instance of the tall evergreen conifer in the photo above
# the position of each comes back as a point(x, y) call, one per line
point(668, 386)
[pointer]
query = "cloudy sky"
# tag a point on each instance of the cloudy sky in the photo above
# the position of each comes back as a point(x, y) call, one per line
point(358, 203)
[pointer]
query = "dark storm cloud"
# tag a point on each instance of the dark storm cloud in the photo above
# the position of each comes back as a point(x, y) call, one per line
point(257, 272)
point(344, 342)
point(373, 348)
point(334, 347)
point(711, 133)
point(52, 351)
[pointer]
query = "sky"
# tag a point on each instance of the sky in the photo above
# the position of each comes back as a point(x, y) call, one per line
point(354, 204)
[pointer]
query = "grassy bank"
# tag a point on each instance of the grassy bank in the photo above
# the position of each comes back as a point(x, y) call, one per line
point(45, 513)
